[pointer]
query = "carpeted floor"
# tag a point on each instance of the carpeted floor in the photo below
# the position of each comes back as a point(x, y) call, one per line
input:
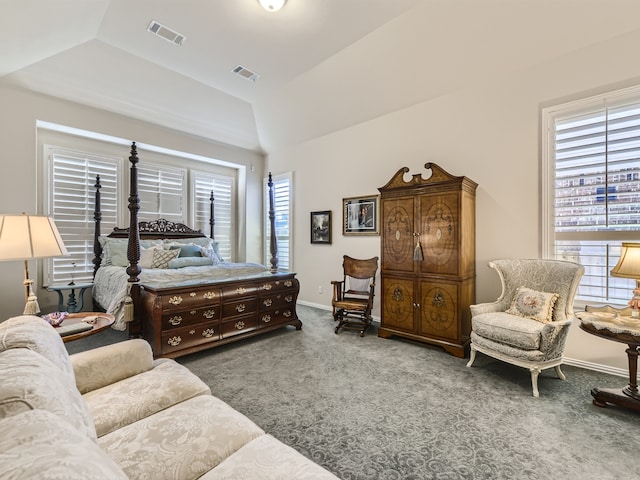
point(372, 408)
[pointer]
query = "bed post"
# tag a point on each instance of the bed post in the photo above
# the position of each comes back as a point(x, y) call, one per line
point(133, 247)
point(272, 227)
point(212, 218)
point(97, 218)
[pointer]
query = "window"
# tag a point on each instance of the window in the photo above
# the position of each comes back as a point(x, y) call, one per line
point(282, 187)
point(223, 193)
point(591, 188)
point(161, 190)
point(72, 203)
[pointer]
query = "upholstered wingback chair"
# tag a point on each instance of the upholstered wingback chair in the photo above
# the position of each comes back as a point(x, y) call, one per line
point(528, 324)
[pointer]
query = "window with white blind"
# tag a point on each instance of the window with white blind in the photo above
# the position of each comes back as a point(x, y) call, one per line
point(222, 187)
point(591, 188)
point(282, 186)
point(72, 202)
point(162, 190)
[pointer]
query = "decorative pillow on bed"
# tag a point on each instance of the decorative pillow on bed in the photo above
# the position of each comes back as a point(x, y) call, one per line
point(189, 262)
point(211, 253)
point(190, 250)
point(146, 256)
point(532, 304)
point(114, 250)
point(201, 241)
point(161, 257)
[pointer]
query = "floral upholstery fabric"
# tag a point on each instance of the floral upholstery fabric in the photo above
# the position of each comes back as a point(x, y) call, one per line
point(182, 442)
point(265, 458)
point(34, 333)
point(533, 304)
point(103, 366)
point(513, 330)
point(29, 381)
point(167, 384)
point(40, 444)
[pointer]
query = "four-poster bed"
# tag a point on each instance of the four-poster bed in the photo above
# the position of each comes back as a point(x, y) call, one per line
point(189, 303)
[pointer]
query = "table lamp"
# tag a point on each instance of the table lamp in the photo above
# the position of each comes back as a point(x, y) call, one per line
point(23, 237)
point(629, 267)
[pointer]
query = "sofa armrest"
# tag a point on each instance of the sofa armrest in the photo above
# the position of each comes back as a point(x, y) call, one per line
point(492, 307)
point(554, 336)
point(103, 366)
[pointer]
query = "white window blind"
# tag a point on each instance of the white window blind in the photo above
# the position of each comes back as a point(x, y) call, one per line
point(72, 205)
point(224, 206)
point(593, 162)
point(282, 186)
point(162, 191)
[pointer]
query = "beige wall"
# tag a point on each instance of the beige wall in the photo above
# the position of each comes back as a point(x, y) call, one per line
point(19, 188)
point(488, 132)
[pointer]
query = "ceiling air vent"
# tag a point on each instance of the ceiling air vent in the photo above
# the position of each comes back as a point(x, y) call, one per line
point(166, 33)
point(245, 73)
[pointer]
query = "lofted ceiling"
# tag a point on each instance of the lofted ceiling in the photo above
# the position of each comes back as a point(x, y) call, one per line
point(323, 65)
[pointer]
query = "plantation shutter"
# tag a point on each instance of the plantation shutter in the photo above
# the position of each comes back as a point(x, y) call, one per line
point(282, 186)
point(162, 191)
point(72, 205)
point(223, 194)
point(597, 194)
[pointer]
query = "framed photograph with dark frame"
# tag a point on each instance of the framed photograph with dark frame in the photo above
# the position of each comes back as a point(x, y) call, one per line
point(321, 227)
point(360, 215)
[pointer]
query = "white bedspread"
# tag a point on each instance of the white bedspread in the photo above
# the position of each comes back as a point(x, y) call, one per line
point(110, 283)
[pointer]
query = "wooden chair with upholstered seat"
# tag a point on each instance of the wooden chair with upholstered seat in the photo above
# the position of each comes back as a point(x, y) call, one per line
point(353, 295)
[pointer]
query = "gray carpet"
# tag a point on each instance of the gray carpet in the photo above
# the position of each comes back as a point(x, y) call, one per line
point(372, 408)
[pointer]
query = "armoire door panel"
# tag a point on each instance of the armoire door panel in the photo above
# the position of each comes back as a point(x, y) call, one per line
point(399, 304)
point(439, 310)
point(398, 239)
point(439, 233)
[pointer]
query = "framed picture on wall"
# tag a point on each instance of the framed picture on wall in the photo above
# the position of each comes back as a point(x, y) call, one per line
point(360, 215)
point(321, 227)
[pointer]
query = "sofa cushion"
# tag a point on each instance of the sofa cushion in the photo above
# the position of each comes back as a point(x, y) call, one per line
point(28, 381)
point(34, 333)
point(182, 442)
point(533, 304)
point(266, 458)
point(139, 396)
point(513, 330)
point(39, 444)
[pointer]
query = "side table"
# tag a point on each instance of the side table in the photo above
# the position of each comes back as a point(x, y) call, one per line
point(73, 306)
point(98, 321)
point(617, 328)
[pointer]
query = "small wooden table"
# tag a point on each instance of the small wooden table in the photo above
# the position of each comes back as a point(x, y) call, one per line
point(73, 306)
point(623, 329)
point(98, 320)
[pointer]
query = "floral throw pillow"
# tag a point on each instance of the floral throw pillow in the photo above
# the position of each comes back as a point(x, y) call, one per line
point(161, 257)
point(532, 304)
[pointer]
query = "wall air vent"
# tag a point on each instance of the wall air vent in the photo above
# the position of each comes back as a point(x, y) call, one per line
point(245, 73)
point(166, 33)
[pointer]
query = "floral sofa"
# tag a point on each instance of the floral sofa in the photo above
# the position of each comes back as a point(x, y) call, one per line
point(114, 412)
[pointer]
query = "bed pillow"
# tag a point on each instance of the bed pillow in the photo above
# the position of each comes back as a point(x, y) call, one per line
point(190, 250)
point(211, 253)
point(189, 262)
point(201, 241)
point(532, 304)
point(114, 250)
point(161, 257)
point(146, 256)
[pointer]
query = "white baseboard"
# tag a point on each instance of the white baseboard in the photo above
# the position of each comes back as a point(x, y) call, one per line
point(619, 372)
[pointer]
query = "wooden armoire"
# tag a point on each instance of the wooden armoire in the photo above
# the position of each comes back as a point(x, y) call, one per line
point(428, 258)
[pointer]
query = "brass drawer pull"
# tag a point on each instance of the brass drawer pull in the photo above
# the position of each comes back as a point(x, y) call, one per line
point(241, 308)
point(240, 290)
point(174, 341)
point(266, 318)
point(286, 313)
point(192, 294)
point(267, 286)
point(177, 320)
point(239, 325)
point(208, 333)
point(267, 302)
point(209, 314)
point(209, 295)
point(288, 298)
point(175, 300)
point(288, 283)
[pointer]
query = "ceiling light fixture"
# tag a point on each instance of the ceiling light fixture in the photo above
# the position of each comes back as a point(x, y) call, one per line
point(272, 5)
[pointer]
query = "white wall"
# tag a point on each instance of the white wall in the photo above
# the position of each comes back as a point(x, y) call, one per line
point(488, 132)
point(19, 187)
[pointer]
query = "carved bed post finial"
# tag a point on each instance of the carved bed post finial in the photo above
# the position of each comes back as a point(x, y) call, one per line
point(97, 217)
point(133, 246)
point(272, 227)
point(212, 220)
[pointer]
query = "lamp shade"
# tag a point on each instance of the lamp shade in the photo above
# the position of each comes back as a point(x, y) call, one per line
point(272, 5)
point(29, 236)
point(629, 264)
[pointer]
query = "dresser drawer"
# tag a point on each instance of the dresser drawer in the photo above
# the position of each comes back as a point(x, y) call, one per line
point(239, 307)
point(181, 338)
point(275, 316)
point(191, 317)
point(238, 325)
point(276, 299)
point(189, 299)
point(279, 285)
point(229, 293)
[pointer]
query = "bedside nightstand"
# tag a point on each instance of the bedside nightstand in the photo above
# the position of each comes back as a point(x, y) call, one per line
point(73, 306)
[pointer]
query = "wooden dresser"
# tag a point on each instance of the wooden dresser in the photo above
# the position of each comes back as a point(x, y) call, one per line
point(183, 319)
point(427, 289)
